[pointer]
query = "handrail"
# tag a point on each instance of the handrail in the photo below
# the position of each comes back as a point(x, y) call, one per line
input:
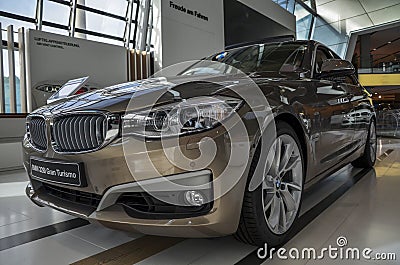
point(13, 115)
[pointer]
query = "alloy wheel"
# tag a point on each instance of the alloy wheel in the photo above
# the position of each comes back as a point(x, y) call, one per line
point(282, 184)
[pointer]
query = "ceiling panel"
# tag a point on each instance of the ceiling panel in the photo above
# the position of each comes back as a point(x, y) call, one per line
point(340, 9)
point(321, 2)
point(372, 5)
point(352, 24)
point(385, 15)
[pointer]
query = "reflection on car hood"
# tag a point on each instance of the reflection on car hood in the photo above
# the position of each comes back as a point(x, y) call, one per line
point(146, 92)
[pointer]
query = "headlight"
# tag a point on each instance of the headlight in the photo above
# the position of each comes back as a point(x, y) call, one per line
point(49, 88)
point(193, 115)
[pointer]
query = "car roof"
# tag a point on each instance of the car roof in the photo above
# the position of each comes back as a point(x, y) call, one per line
point(313, 44)
point(305, 42)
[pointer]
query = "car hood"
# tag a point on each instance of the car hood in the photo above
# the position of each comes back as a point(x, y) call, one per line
point(147, 93)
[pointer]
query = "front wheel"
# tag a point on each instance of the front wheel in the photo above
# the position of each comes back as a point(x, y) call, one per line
point(270, 210)
point(367, 160)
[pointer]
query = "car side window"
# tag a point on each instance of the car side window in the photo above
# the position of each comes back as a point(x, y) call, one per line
point(321, 56)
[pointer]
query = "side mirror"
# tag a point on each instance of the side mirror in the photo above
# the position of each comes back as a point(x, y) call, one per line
point(335, 67)
point(291, 70)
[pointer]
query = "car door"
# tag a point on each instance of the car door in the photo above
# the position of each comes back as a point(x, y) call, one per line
point(334, 114)
point(362, 111)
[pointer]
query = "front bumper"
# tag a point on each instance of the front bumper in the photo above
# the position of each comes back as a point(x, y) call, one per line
point(108, 177)
point(220, 220)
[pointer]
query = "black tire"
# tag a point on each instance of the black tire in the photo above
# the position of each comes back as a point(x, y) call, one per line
point(253, 228)
point(366, 161)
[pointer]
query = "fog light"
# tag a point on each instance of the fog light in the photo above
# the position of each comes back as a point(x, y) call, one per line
point(194, 198)
point(29, 190)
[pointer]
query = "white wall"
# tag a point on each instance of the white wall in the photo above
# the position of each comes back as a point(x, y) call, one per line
point(53, 57)
point(10, 156)
point(12, 131)
point(273, 11)
point(12, 128)
point(179, 36)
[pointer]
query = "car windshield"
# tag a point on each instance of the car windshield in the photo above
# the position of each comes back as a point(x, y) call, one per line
point(263, 58)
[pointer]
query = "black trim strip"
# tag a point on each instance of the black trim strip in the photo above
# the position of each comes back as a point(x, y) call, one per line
point(4, 42)
point(310, 215)
point(91, 9)
point(309, 9)
point(136, 25)
point(17, 17)
point(54, 25)
point(63, 2)
point(100, 12)
point(36, 234)
point(13, 115)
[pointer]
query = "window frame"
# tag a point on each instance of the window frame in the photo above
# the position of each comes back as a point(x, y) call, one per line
point(314, 58)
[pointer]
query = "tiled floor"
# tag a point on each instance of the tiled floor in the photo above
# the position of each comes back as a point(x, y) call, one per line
point(368, 215)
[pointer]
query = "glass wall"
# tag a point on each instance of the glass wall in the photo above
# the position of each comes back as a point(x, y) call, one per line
point(21, 7)
point(330, 36)
point(100, 20)
point(317, 22)
point(286, 4)
point(56, 13)
point(304, 21)
point(305, 12)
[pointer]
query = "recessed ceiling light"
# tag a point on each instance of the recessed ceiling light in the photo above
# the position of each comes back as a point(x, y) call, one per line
point(389, 42)
point(380, 96)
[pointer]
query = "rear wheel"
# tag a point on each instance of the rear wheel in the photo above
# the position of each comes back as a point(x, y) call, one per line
point(368, 159)
point(270, 211)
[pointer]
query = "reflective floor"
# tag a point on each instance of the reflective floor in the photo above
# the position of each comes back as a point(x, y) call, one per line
point(362, 208)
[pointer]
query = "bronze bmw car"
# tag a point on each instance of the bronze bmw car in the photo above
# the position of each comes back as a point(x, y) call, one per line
point(128, 156)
